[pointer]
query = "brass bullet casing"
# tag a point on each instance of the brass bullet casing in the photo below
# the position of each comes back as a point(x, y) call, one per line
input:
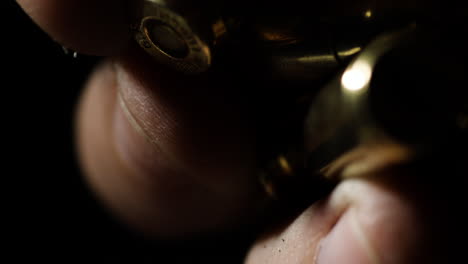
point(178, 34)
point(403, 89)
point(307, 47)
point(290, 41)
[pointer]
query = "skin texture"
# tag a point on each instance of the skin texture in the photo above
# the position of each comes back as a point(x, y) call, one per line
point(174, 156)
point(140, 162)
point(344, 228)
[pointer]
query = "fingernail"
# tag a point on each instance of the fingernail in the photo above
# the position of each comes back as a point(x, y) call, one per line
point(347, 243)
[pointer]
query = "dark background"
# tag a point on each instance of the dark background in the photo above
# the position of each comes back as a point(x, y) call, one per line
point(50, 213)
point(54, 215)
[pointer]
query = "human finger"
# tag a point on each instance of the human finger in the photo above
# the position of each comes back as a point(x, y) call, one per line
point(170, 155)
point(385, 210)
point(96, 27)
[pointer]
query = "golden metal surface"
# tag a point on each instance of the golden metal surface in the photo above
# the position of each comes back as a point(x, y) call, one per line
point(284, 165)
point(171, 39)
point(293, 42)
point(340, 110)
point(185, 35)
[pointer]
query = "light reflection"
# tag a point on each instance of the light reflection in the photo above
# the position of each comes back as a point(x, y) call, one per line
point(316, 58)
point(349, 52)
point(357, 77)
point(368, 13)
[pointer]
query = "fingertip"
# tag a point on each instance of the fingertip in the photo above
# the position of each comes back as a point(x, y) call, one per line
point(378, 225)
point(136, 149)
point(360, 222)
point(87, 26)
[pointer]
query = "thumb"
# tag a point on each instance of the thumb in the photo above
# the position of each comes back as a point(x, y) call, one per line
point(374, 226)
point(360, 222)
point(364, 220)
